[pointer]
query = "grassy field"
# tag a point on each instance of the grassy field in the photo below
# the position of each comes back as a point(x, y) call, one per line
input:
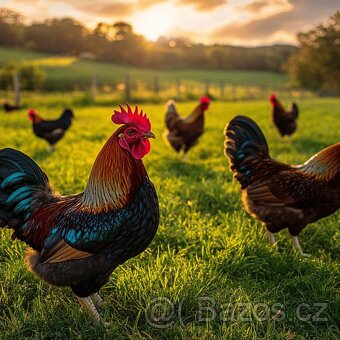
point(210, 266)
point(63, 71)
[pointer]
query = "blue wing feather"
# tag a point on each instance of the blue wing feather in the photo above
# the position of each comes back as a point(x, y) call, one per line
point(86, 231)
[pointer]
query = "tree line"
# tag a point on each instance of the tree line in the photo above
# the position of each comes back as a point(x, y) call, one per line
point(118, 43)
point(316, 65)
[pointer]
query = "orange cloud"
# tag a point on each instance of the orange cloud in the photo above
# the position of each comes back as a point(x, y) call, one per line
point(302, 15)
point(203, 5)
point(116, 8)
point(256, 6)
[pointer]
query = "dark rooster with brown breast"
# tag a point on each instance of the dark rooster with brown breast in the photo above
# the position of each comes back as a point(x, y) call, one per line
point(281, 195)
point(77, 241)
point(183, 133)
point(51, 130)
point(285, 121)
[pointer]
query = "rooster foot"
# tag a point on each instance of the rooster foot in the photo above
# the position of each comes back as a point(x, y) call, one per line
point(97, 300)
point(88, 305)
point(298, 247)
point(271, 237)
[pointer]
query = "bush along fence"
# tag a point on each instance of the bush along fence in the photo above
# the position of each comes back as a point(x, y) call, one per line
point(157, 90)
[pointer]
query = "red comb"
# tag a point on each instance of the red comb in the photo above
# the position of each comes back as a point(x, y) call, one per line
point(32, 112)
point(272, 97)
point(140, 120)
point(205, 100)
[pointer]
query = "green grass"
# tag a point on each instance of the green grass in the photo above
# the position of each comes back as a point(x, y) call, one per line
point(206, 245)
point(8, 54)
point(62, 71)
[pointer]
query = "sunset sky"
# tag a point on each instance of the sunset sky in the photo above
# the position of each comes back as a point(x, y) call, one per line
point(241, 22)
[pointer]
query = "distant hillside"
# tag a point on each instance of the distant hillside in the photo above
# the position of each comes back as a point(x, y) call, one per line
point(64, 73)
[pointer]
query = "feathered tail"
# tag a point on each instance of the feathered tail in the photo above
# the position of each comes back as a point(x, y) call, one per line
point(245, 147)
point(66, 119)
point(20, 179)
point(294, 110)
point(171, 115)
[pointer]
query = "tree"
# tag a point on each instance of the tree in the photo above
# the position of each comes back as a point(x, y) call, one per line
point(123, 30)
point(105, 31)
point(63, 35)
point(317, 64)
point(11, 27)
point(31, 76)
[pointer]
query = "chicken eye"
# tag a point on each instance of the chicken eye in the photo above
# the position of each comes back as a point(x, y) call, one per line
point(130, 132)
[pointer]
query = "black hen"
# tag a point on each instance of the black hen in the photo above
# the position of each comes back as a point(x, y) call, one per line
point(51, 130)
point(9, 108)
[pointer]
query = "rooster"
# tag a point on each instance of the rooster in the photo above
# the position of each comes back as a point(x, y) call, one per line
point(77, 241)
point(285, 121)
point(280, 195)
point(9, 108)
point(51, 130)
point(183, 133)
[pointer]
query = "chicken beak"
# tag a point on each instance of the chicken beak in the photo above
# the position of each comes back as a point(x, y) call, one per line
point(150, 135)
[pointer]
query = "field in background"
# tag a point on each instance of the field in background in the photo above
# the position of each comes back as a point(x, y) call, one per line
point(206, 247)
point(70, 73)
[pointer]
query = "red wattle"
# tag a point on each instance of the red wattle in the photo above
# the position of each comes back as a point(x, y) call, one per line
point(140, 149)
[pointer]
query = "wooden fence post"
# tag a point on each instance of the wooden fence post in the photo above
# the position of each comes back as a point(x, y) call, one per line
point(233, 92)
point(16, 86)
point(206, 87)
point(127, 87)
point(155, 85)
point(248, 92)
point(94, 86)
point(222, 86)
point(178, 88)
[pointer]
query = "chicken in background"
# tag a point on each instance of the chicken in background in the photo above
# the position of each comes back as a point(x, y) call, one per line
point(281, 195)
point(285, 121)
point(9, 108)
point(77, 241)
point(183, 133)
point(51, 130)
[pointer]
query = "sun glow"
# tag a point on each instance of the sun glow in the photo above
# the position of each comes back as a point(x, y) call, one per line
point(154, 22)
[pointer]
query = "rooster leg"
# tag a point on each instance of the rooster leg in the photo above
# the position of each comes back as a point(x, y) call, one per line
point(97, 300)
point(88, 305)
point(52, 148)
point(297, 246)
point(185, 157)
point(271, 236)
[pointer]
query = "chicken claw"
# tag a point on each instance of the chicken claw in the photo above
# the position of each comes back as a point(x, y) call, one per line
point(97, 300)
point(298, 247)
point(88, 305)
point(271, 237)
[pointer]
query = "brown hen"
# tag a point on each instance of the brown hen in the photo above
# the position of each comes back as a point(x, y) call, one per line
point(183, 133)
point(281, 195)
point(284, 120)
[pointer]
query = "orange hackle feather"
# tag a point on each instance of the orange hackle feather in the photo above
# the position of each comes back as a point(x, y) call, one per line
point(114, 177)
point(325, 165)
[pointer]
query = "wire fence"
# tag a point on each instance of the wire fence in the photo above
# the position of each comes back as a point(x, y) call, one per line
point(158, 90)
